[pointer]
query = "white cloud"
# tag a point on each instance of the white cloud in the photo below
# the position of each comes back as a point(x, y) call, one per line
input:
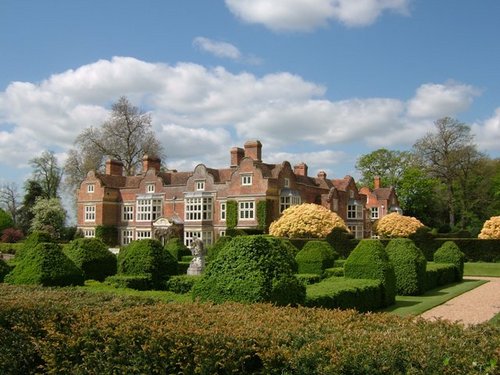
point(488, 133)
point(324, 160)
point(306, 15)
point(439, 100)
point(219, 49)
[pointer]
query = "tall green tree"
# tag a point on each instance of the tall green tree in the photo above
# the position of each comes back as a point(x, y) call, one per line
point(449, 155)
point(33, 191)
point(127, 135)
point(47, 173)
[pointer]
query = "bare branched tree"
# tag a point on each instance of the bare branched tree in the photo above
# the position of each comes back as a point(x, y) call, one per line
point(48, 173)
point(9, 199)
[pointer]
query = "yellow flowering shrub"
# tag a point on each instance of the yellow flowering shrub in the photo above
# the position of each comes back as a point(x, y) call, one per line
point(306, 220)
point(491, 229)
point(397, 225)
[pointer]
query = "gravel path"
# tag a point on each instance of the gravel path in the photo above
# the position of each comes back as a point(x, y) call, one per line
point(473, 307)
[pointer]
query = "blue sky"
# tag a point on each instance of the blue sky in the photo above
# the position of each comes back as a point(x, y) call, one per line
point(321, 81)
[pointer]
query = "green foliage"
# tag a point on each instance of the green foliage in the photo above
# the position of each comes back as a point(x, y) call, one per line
point(308, 278)
point(342, 241)
point(450, 253)
point(215, 249)
point(342, 293)
point(315, 257)
point(409, 266)
point(147, 257)
point(107, 234)
point(231, 214)
point(92, 256)
point(176, 247)
point(4, 269)
point(35, 238)
point(251, 269)
point(438, 274)
point(24, 217)
point(370, 261)
point(5, 221)
point(46, 265)
point(334, 271)
point(67, 331)
point(49, 216)
point(181, 284)
point(262, 214)
point(137, 282)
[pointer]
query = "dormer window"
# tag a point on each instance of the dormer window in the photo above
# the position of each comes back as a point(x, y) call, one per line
point(90, 188)
point(246, 180)
point(287, 182)
point(351, 194)
point(150, 188)
point(200, 185)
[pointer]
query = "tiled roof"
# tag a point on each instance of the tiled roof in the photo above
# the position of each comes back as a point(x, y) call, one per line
point(383, 193)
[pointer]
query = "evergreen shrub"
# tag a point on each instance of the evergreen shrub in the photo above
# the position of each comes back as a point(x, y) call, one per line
point(107, 234)
point(370, 261)
point(147, 257)
point(315, 257)
point(4, 269)
point(439, 274)
point(449, 252)
point(46, 265)
point(334, 271)
point(409, 266)
point(35, 238)
point(251, 269)
point(176, 247)
point(308, 278)
point(217, 246)
point(342, 241)
point(92, 256)
point(137, 282)
point(181, 284)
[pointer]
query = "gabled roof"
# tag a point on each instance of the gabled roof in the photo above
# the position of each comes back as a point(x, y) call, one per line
point(383, 193)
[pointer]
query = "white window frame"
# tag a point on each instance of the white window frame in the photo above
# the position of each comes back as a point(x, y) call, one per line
point(90, 188)
point(128, 212)
point(200, 185)
point(127, 236)
point(198, 208)
point(374, 213)
point(207, 236)
point(89, 214)
point(223, 211)
point(142, 234)
point(148, 209)
point(246, 180)
point(246, 210)
point(357, 230)
point(288, 201)
point(150, 188)
point(89, 232)
point(354, 211)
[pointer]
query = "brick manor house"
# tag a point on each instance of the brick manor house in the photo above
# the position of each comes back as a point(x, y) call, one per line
point(141, 206)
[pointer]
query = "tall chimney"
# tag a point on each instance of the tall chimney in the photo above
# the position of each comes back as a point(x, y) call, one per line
point(237, 154)
point(376, 182)
point(114, 167)
point(300, 169)
point(253, 150)
point(150, 162)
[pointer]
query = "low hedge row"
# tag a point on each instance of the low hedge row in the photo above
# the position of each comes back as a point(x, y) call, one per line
point(439, 274)
point(10, 248)
point(339, 292)
point(68, 331)
point(137, 282)
point(181, 284)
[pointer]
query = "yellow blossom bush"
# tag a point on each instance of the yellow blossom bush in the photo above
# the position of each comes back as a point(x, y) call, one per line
point(397, 225)
point(491, 229)
point(306, 220)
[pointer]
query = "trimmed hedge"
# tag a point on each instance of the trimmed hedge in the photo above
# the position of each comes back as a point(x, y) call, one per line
point(73, 332)
point(450, 253)
point(439, 274)
point(4, 269)
point(137, 282)
point(46, 265)
point(409, 266)
point(147, 257)
point(181, 284)
point(10, 248)
point(308, 278)
point(217, 247)
point(107, 234)
point(92, 256)
point(35, 238)
point(315, 257)
point(370, 261)
point(342, 241)
point(338, 292)
point(334, 271)
point(251, 269)
point(176, 247)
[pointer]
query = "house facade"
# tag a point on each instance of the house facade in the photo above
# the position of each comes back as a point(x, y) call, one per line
point(199, 201)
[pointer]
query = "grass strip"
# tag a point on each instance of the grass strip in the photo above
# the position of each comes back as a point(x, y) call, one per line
point(416, 305)
point(482, 269)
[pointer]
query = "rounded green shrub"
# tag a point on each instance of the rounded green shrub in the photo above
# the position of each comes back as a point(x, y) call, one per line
point(251, 269)
point(147, 257)
point(35, 238)
point(369, 260)
point(315, 257)
point(409, 266)
point(449, 252)
point(176, 247)
point(46, 265)
point(92, 256)
point(217, 247)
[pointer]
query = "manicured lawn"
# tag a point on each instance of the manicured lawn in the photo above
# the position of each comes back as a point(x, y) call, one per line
point(97, 287)
point(482, 269)
point(415, 305)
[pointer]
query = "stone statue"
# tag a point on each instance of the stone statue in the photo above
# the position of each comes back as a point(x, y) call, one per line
point(197, 264)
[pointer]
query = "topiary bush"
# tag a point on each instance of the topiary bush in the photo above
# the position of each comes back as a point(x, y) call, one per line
point(35, 238)
point(176, 247)
point(370, 261)
point(46, 265)
point(315, 257)
point(449, 252)
point(305, 221)
point(396, 225)
point(251, 269)
point(342, 241)
point(438, 274)
point(147, 257)
point(181, 284)
point(409, 266)
point(491, 229)
point(92, 256)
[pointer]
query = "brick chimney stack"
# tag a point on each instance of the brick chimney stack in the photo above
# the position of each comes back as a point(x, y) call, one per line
point(253, 149)
point(376, 182)
point(300, 169)
point(114, 167)
point(150, 162)
point(237, 154)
